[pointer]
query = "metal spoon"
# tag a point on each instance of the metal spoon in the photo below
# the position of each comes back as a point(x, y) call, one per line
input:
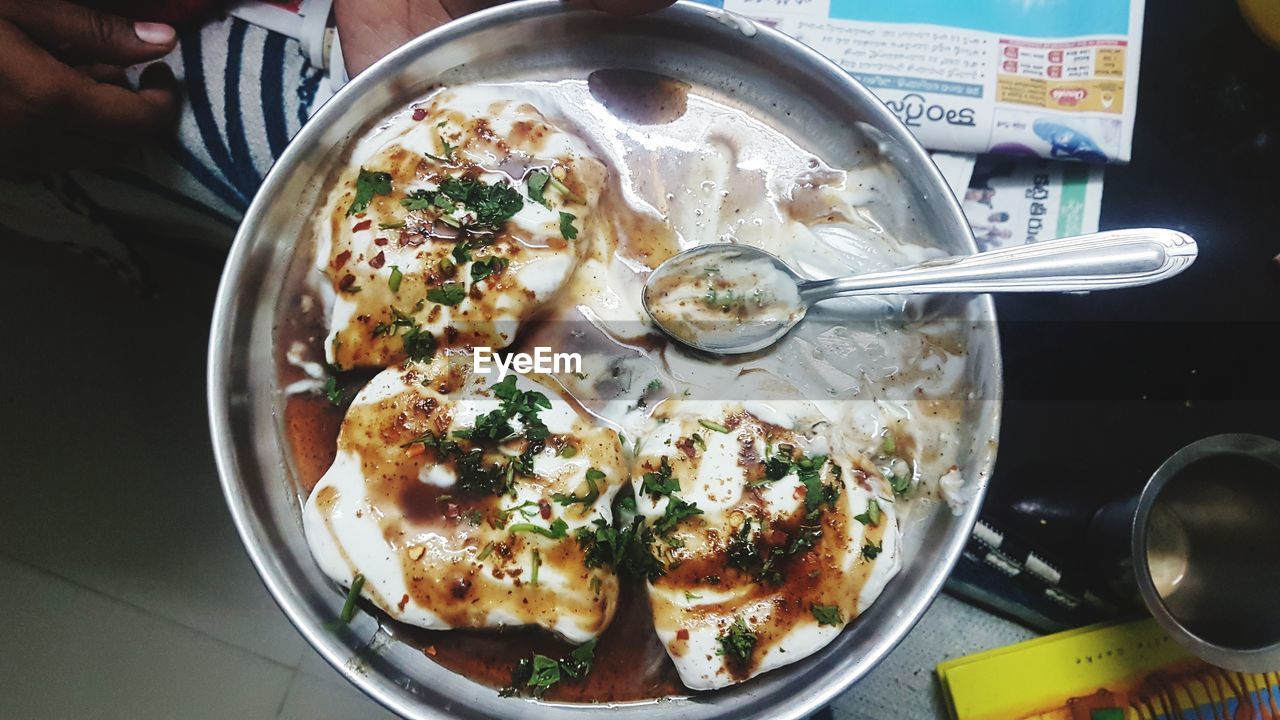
point(728, 323)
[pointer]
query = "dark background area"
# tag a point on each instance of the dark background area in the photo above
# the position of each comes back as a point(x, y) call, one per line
point(1101, 389)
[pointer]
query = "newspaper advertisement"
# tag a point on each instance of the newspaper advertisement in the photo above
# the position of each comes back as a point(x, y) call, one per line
point(1014, 201)
point(1043, 78)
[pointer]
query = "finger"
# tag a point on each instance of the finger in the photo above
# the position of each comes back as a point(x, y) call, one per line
point(369, 30)
point(102, 73)
point(77, 33)
point(120, 114)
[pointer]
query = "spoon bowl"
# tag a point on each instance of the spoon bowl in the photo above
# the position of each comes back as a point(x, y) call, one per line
point(724, 298)
point(728, 299)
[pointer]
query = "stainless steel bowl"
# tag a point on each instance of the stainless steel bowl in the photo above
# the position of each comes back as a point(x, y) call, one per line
point(1204, 539)
point(734, 60)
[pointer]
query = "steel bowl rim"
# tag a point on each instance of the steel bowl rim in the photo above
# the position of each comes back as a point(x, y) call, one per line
point(1248, 444)
point(226, 457)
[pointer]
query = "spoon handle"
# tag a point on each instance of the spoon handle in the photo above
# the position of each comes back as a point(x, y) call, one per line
point(1100, 261)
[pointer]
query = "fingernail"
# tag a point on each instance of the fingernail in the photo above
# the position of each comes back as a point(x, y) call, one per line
point(153, 33)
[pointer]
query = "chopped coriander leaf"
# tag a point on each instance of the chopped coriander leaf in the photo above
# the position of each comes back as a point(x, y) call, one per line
point(461, 253)
point(368, 184)
point(599, 543)
point(353, 594)
point(637, 554)
point(419, 344)
point(544, 673)
point(802, 542)
point(537, 563)
point(625, 549)
point(418, 200)
point(827, 615)
point(476, 478)
point(871, 550)
point(738, 643)
point(900, 485)
point(448, 148)
point(660, 481)
point(590, 497)
point(567, 230)
point(712, 425)
point(872, 515)
point(527, 509)
point(537, 184)
point(580, 659)
point(332, 392)
point(393, 282)
point(492, 204)
point(450, 293)
point(743, 552)
point(555, 532)
point(677, 510)
point(482, 269)
point(816, 493)
point(431, 440)
point(496, 426)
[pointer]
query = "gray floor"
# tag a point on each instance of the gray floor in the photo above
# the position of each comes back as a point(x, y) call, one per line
point(124, 591)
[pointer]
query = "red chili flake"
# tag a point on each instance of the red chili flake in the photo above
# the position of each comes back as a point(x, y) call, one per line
point(346, 282)
point(403, 601)
point(340, 259)
point(378, 260)
point(379, 241)
point(419, 113)
point(362, 225)
point(544, 509)
point(430, 650)
point(681, 634)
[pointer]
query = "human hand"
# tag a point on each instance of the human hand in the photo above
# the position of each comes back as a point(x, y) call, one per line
point(372, 28)
point(64, 98)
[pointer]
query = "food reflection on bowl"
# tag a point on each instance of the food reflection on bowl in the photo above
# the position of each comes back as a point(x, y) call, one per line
point(645, 521)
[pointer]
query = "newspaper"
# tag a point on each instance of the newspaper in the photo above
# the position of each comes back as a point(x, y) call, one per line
point(1047, 78)
point(1013, 201)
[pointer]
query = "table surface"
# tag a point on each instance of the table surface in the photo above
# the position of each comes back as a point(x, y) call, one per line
point(1100, 389)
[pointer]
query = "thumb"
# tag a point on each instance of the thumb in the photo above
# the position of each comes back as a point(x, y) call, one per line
point(76, 33)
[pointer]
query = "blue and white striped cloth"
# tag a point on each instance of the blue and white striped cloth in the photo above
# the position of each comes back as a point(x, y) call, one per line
point(248, 91)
